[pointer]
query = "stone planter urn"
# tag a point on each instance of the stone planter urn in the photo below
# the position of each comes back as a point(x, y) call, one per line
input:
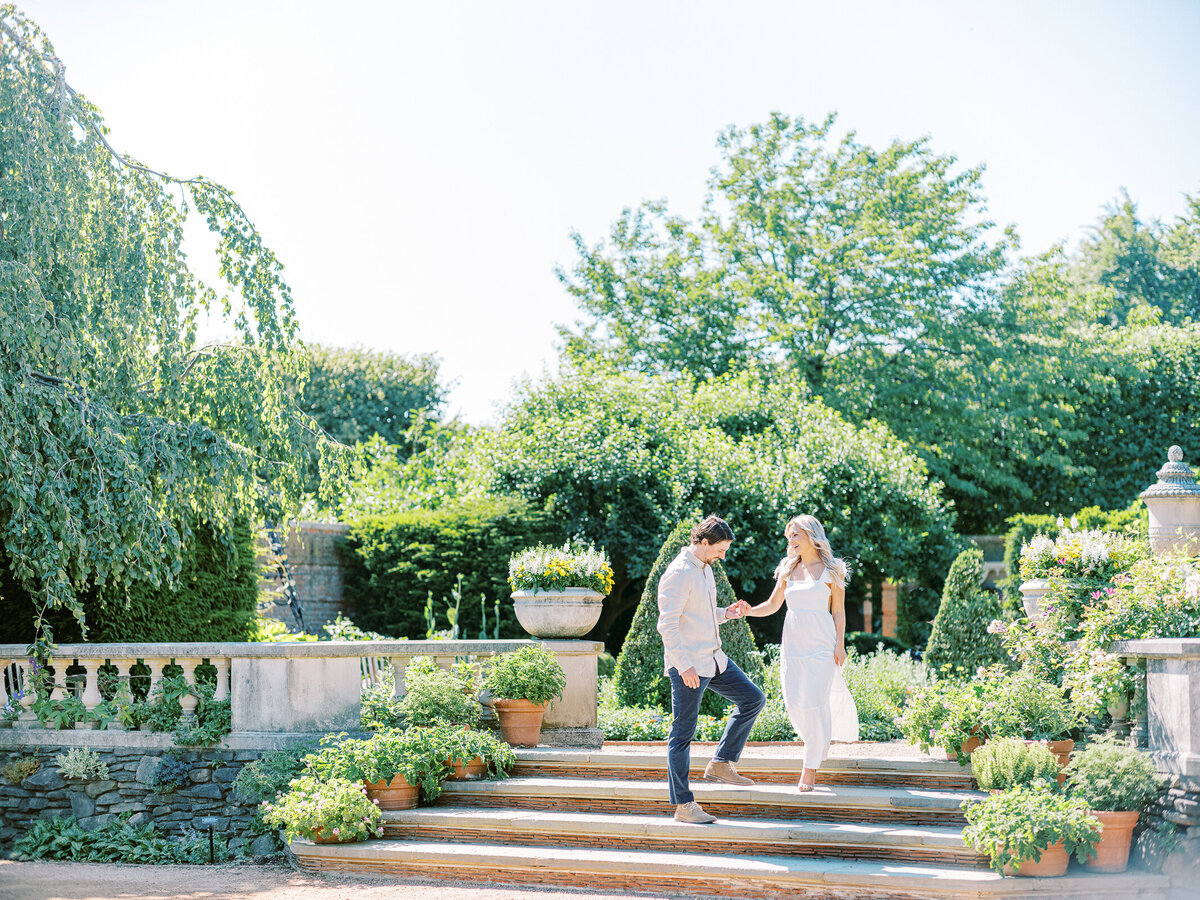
point(1174, 507)
point(1032, 592)
point(570, 613)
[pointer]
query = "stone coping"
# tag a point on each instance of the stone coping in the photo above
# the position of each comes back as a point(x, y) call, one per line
point(1159, 648)
point(856, 796)
point(755, 758)
point(19, 738)
point(303, 649)
point(875, 876)
point(518, 821)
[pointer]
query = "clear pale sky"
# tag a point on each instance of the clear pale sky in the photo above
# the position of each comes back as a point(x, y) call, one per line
point(417, 166)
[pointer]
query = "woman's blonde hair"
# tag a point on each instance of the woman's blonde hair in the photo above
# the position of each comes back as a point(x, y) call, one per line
point(816, 535)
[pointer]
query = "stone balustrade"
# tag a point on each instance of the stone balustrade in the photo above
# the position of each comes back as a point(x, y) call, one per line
point(297, 688)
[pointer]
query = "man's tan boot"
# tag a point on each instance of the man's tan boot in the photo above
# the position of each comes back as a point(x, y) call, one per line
point(691, 812)
point(718, 770)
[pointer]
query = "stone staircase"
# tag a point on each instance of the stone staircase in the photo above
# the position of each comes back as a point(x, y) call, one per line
point(874, 828)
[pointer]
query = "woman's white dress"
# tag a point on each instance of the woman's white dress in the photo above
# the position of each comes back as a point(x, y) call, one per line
point(818, 702)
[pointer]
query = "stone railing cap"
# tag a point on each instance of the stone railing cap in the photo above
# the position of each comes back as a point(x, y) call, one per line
point(1159, 648)
point(304, 650)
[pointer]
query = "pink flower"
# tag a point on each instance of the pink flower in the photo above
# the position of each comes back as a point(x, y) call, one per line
point(336, 832)
point(1096, 595)
point(379, 831)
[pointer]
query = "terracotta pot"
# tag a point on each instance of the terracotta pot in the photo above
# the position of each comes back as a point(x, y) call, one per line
point(466, 771)
point(1052, 864)
point(396, 794)
point(520, 721)
point(319, 837)
point(1061, 751)
point(1112, 852)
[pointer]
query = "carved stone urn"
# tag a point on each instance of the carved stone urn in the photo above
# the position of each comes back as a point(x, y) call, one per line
point(1174, 506)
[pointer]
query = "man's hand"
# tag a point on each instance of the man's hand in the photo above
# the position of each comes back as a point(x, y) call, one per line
point(691, 678)
point(737, 610)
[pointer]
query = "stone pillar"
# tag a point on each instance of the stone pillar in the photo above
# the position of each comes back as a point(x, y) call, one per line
point(1174, 506)
point(889, 609)
point(302, 693)
point(156, 665)
point(221, 664)
point(191, 699)
point(3, 691)
point(868, 612)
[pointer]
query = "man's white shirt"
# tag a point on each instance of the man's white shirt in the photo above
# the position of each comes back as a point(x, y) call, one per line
point(688, 617)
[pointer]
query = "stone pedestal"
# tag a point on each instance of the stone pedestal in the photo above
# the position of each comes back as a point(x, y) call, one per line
point(311, 694)
point(1172, 701)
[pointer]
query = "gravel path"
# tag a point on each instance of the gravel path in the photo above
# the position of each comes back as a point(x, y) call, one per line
point(105, 881)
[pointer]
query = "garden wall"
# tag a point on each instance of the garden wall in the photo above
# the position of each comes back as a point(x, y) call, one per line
point(1179, 811)
point(130, 788)
point(317, 574)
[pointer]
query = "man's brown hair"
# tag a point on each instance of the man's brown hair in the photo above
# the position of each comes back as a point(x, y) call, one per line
point(714, 529)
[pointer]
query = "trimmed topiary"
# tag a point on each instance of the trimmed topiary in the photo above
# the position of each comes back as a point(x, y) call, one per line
point(639, 673)
point(960, 639)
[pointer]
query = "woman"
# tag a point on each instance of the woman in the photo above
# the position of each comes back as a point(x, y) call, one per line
point(813, 583)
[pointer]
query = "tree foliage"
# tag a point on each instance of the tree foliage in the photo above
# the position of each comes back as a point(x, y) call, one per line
point(120, 429)
point(639, 675)
point(619, 459)
point(355, 394)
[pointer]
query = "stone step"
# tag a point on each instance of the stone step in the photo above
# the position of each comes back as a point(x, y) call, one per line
point(837, 803)
point(705, 875)
point(774, 765)
point(929, 844)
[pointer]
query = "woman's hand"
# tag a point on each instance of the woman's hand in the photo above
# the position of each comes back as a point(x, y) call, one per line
point(839, 655)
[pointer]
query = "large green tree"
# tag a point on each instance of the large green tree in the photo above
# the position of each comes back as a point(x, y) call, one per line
point(621, 458)
point(120, 428)
point(354, 393)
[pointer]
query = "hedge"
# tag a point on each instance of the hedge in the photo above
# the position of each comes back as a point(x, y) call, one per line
point(960, 639)
point(392, 563)
point(215, 601)
point(639, 673)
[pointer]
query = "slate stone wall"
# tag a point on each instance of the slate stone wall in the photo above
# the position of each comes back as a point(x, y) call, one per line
point(129, 788)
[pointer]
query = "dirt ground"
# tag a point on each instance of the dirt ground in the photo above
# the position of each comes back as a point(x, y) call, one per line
point(105, 881)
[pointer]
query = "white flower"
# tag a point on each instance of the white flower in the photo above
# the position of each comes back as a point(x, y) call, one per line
point(1191, 587)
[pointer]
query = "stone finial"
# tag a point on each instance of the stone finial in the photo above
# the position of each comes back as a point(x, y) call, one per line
point(1175, 478)
point(1175, 454)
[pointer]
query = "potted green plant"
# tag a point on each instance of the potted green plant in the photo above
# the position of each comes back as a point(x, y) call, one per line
point(472, 754)
point(9, 713)
point(396, 767)
point(1005, 763)
point(558, 592)
point(1116, 781)
point(335, 810)
point(522, 683)
point(945, 714)
point(1031, 830)
point(1023, 705)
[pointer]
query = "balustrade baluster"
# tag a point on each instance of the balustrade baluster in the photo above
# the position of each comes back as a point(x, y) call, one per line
point(399, 666)
point(3, 677)
point(28, 696)
point(156, 665)
point(190, 700)
point(222, 667)
point(91, 685)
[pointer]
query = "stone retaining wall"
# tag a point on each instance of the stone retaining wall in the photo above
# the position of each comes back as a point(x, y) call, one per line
point(129, 788)
point(1180, 807)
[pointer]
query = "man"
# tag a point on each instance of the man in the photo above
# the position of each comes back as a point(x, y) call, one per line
point(688, 620)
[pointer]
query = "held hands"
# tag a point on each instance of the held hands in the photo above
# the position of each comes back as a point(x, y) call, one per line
point(737, 610)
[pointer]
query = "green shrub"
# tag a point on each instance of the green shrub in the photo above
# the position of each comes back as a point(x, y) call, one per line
point(82, 763)
point(639, 675)
point(865, 642)
point(393, 563)
point(772, 723)
point(960, 639)
point(880, 684)
point(1000, 765)
point(624, 723)
point(215, 601)
point(1022, 705)
point(264, 778)
point(336, 807)
point(944, 713)
point(436, 698)
point(378, 708)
